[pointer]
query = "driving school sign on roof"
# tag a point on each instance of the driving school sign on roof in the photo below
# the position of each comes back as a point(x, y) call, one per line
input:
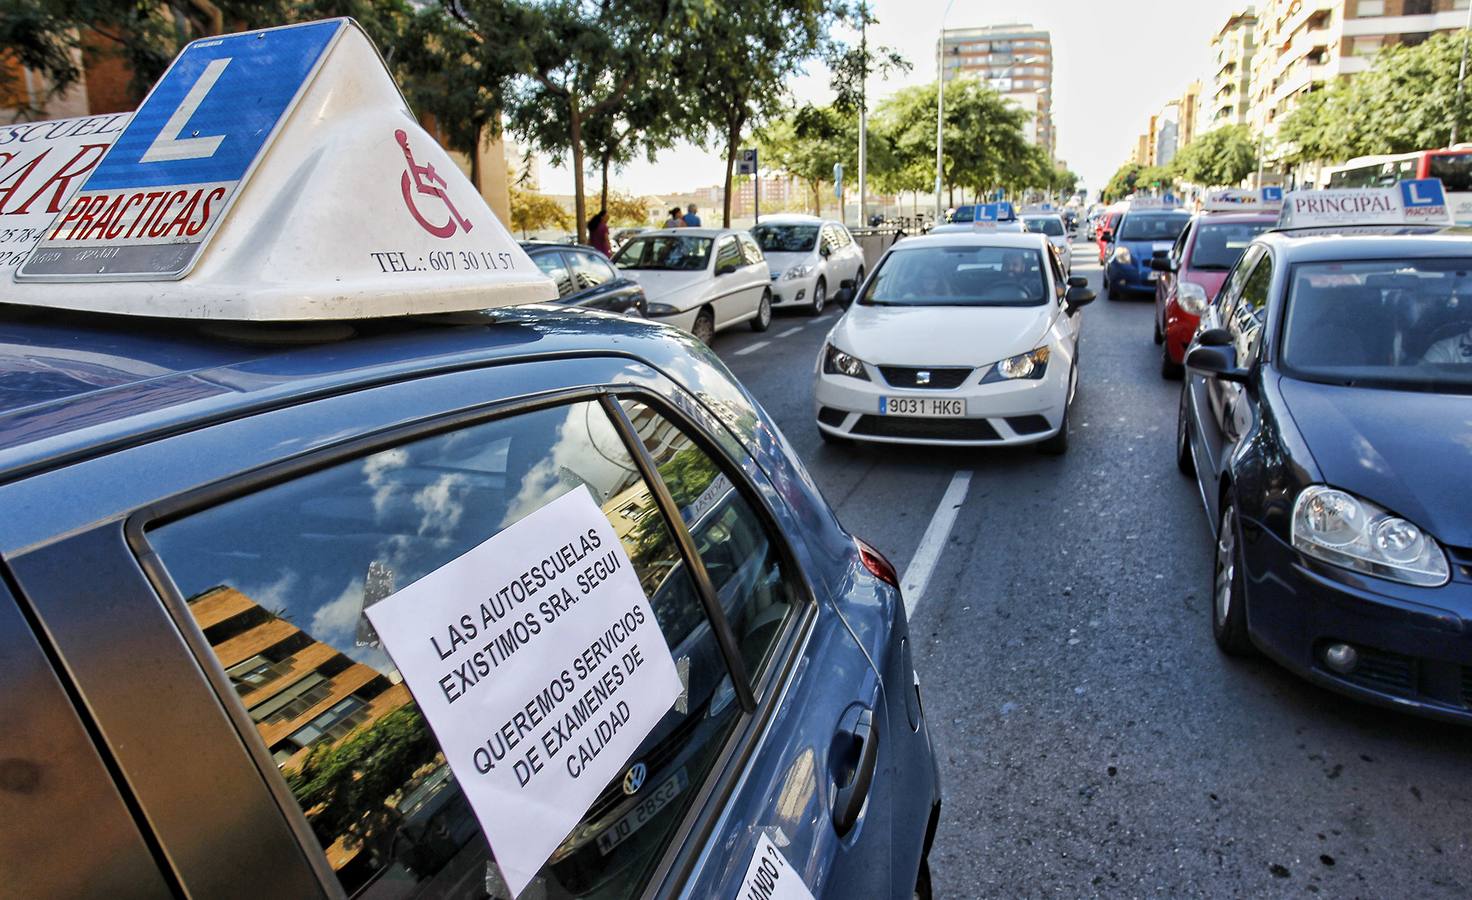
point(1418, 202)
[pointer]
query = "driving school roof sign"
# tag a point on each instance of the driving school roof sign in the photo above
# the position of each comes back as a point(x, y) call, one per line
point(277, 175)
point(163, 188)
point(1418, 202)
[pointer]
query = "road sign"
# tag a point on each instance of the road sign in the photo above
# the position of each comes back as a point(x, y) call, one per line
point(168, 180)
point(746, 164)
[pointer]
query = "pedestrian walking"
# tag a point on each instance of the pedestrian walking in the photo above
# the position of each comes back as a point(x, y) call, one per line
point(598, 233)
point(692, 218)
point(674, 221)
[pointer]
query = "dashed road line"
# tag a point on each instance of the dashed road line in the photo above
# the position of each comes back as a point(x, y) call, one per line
point(752, 349)
point(791, 331)
point(933, 541)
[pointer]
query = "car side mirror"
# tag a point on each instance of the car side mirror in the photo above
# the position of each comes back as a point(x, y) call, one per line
point(1218, 362)
point(1214, 337)
point(1078, 297)
point(1161, 264)
point(825, 252)
point(725, 269)
point(1106, 236)
point(1078, 281)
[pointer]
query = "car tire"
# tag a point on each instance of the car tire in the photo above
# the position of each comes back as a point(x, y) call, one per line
point(1057, 445)
point(1184, 460)
point(820, 298)
point(1159, 335)
point(1170, 370)
point(1228, 600)
point(1113, 292)
point(922, 881)
point(763, 319)
point(704, 328)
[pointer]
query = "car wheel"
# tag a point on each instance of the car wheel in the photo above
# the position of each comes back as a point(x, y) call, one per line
point(1056, 445)
point(1114, 293)
point(922, 881)
point(1159, 335)
point(1170, 370)
point(1184, 462)
point(705, 326)
point(763, 319)
point(820, 298)
point(1228, 606)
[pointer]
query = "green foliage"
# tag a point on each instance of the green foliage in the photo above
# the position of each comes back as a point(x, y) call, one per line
point(807, 143)
point(531, 211)
point(1219, 158)
point(1122, 183)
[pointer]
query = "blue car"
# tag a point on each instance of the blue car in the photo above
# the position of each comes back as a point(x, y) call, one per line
point(1137, 237)
point(195, 524)
point(1327, 420)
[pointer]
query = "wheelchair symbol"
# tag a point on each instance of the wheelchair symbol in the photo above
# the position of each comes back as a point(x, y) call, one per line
point(427, 182)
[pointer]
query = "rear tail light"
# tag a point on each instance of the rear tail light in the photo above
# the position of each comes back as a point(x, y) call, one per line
point(877, 565)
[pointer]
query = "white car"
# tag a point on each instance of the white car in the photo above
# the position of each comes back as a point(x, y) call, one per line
point(1051, 224)
point(700, 279)
point(956, 339)
point(811, 259)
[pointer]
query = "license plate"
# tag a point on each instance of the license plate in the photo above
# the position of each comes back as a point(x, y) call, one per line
point(925, 407)
point(1152, 275)
point(640, 815)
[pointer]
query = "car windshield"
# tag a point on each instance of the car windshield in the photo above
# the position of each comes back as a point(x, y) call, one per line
point(958, 276)
point(786, 238)
point(665, 251)
point(1454, 170)
point(1147, 227)
point(1219, 245)
point(1052, 226)
point(1401, 324)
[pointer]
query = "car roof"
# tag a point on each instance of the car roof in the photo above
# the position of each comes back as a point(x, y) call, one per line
point(74, 385)
point(1343, 243)
point(792, 219)
point(690, 232)
point(1238, 217)
point(543, 246)
point(1006, 239)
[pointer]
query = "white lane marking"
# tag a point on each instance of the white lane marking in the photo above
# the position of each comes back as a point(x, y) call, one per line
point(790, 331)
point(753, 348)
point(933, 541)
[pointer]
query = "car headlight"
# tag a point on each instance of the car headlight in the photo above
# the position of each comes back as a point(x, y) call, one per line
point(1340, 528)
point(1122, 256)
point(661, 309)
point(836, 362)
point(1032, 364)
point(1191, 297)
point(796, 272)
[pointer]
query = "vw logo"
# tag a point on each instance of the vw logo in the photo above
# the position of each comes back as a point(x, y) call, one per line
point(634, 778)
point(922, 377)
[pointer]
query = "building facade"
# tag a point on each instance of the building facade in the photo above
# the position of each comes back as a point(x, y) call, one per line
point(1232, 52)
point(1014, 60)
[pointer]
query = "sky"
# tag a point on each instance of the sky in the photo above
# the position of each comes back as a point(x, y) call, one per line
point(1116, 62)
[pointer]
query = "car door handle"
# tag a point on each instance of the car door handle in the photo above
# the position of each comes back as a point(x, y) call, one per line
point(856, 747)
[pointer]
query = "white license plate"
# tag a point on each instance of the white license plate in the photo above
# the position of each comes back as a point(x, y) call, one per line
point(640, 815)
point(923, 407)
point(1152, 275)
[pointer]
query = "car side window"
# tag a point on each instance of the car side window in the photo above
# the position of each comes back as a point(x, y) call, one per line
point(277, 581)
point(553, 267)
point(827, 239)
point(750, 249)
point(1060, 281)
point(588, 270)
point(1178, 252)
point(1245, 320)
point(728, 254)
point(1232, 288)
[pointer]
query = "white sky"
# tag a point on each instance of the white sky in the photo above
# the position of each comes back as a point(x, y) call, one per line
point(1115, 63)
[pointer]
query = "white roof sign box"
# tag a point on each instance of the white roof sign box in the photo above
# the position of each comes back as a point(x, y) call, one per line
point(277, 175)
point(1268, 199)
point(1418, 202)
point(41, 165)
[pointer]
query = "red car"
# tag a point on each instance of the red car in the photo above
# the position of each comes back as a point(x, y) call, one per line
point(1191, 274)
point(1105, 230)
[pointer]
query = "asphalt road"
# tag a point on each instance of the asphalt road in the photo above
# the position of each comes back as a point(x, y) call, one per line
point(1092, 739)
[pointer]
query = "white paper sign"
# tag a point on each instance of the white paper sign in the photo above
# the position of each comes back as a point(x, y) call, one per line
point(538, 662)
point(770, 876)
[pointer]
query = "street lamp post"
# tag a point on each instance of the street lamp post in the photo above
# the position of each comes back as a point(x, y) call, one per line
point(863, 116)
point(1461, 76)
point(940, 111)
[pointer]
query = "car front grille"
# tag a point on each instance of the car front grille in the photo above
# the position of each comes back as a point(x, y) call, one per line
point(943, 379)
point(926, 429)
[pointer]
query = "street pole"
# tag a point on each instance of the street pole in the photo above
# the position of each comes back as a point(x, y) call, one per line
point(863, 115)
point(940, 111)
point(1461, 76)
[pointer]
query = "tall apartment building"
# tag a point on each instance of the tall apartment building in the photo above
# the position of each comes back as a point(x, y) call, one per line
point(1232, 52)
point(1016, 61)
point(1189, 115)
point(1303, 44)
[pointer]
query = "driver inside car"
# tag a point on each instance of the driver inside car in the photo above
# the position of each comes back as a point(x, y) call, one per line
point(1454, 349)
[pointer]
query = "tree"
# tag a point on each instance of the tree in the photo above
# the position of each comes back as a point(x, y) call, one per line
point(740, 63)
point(1218, 158)
point(531, 211)
point(1122, 183)
point(624, 209)
point(807, 143)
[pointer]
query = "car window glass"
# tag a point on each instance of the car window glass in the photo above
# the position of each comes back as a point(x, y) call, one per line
point(588, 270)
point(958, 275)
point(1245, 321)
point(729, 254)
point(1178, 250)
point(277, 581)
point(742, 560)
point(750, 250)
point(553, 267)
point(1233, 285)
point(1060, 282)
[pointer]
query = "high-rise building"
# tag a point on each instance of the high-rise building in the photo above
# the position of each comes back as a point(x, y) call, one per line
point(1304, 44)
point(1014, 60)
point(1189, 120)
point(1231, 52)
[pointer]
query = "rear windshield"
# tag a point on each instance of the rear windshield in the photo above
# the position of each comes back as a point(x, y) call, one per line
point(1454, 170)
point(1049, 225)
point(1148, 227)
point(786, 238)
point(665, 251)
point(958, 276)
point(1398, 324)
point(964, 214)
point(1219, 246)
